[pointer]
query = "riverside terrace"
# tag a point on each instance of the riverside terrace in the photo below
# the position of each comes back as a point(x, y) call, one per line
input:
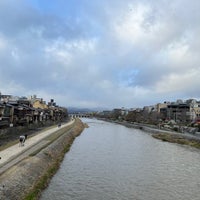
point(23, 112)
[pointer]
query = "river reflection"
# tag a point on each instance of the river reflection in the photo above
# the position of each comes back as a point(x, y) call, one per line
point(110, 161)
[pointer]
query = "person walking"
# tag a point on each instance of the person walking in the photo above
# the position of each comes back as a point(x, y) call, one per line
point(22, 139)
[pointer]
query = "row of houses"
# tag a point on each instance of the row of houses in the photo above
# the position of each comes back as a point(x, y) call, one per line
point(15, 111)
point(180, 112)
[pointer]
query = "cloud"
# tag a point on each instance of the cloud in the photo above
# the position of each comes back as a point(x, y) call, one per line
point(97, 53)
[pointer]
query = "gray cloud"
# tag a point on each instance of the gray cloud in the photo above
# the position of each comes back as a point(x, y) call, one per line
point(98, 53)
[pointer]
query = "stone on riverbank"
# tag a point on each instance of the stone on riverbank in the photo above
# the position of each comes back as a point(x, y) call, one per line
point(28, 178)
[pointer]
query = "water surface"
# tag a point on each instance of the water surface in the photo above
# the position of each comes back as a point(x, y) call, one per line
point(109, 161)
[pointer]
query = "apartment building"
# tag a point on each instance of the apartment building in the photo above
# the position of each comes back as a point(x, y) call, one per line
point(187, 111)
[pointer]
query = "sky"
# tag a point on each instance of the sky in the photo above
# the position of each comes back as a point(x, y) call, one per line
point(100, 53)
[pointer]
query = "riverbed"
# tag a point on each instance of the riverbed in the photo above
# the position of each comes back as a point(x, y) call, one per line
point(110, 161)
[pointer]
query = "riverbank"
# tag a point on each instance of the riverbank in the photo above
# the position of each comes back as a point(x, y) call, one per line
point(178, 138)
point(164, 135)
point(10, 135)
point(26, 179)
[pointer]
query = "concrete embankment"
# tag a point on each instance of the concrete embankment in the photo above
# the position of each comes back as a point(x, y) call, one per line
point(29, 177)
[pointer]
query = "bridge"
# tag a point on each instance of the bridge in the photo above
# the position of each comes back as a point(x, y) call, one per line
point(79, 115)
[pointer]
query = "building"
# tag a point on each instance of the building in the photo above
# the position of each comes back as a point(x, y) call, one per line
point(182, 111)
point(161, 106)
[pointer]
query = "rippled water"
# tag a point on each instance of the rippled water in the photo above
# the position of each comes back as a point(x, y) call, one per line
point(110, 161)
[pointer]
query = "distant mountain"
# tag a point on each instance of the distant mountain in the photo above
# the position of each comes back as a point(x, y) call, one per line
point(83, 110)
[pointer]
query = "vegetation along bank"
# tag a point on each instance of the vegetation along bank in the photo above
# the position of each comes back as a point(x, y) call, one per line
point(165, 136)
point(27, 179)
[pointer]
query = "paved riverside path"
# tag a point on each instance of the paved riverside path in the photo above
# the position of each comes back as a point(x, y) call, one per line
point(15, 153)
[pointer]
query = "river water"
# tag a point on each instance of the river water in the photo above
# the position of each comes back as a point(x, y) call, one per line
point(109, 161)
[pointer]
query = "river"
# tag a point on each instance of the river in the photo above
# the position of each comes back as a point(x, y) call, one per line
point(112, 162)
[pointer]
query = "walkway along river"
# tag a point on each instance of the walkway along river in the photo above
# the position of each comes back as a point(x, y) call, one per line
point(110, 161)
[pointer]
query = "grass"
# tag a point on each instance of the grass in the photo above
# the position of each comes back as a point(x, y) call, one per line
point(177, 139)
point(53, 137)
point(9, 144)
point(43, 181)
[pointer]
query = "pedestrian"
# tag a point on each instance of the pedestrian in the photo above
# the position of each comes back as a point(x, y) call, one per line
point(22, 139)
